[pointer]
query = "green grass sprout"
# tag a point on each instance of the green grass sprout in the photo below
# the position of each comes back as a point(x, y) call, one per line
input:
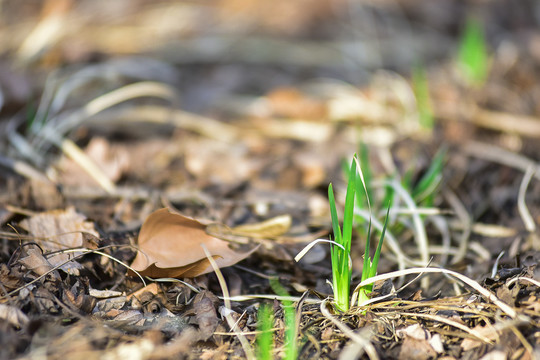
point(423, 100)
point(367, 176)
point(265, 340)
point(424, 190)
point(341, 267)
point(472, 54)
point(341, 263)
point(289, 315)
point(340, 250)
point(369, 268)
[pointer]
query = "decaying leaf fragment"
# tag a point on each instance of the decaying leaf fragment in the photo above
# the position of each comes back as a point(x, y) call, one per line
point(37, 263)
point(273, 227)
point(170, 246)
point(59, 230)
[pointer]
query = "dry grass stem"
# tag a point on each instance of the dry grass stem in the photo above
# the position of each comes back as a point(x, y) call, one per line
point(248, 351)
point(528, 220)
point(363, 343)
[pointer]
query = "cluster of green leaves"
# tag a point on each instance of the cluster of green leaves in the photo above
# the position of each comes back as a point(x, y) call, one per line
point(369, 269)
point(423, 191)
point(340, 251)
point(341, 254)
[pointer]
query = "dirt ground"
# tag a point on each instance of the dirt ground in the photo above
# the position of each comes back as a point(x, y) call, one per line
point(235, 115)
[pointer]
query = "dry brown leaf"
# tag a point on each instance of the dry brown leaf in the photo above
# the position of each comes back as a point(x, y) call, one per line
point(58, 230)
point(487, 331)
point(37, 263)
point(292, 103)
point(13, 315)
point(416, 344)
point(112, 160)
point(170, 246)
point(415, 349)
point(205, 314)
point(151, 288)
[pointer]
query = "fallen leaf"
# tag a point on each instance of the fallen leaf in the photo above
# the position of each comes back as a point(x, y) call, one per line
point(486, 331)
point(59, 230)
point(415, 349)
point(416, 344)
point(151, 288)
point(112, 160)
point(495, 355)
point(292, 103)
point(273, 227)
point(170, 246)
point(205, 314)
point(104, 294)
point(38, 264)
point(77, 297)
point(13, 315)
point(139, 349)
point(8, 279)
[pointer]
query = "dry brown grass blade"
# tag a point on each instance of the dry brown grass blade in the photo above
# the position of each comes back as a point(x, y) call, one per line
point(206, 126)
point(24, 169)
point(450, 322)
point(243, 341)
point(465, 219)
point(528, 220)
point(78, 254)
point(501, 156)
point(364, 344)
point(475, 285)
point(76, 154)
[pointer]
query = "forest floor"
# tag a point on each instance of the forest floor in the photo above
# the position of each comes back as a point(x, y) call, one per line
point(236, 115)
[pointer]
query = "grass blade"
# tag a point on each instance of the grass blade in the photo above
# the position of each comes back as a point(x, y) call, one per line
point(431, 178)
point(265, 340)
point(472, 55)
point(333, 214)
point(289, 315)
point(377, 255)
point(365, 169)
point(423, 101)
point(349, 209)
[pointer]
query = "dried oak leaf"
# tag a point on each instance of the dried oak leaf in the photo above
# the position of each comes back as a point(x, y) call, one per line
point(170, 246)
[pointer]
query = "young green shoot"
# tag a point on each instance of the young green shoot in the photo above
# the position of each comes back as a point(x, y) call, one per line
point(289, 315)
point(265, 339)
point(369, 268)
point(340, 250)
point(341, 263)
point(472, 54)
point(424, 191)
point(423, 100)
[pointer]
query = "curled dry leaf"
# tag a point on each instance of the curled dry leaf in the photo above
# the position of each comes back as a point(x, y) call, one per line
point(270, 228)
point(170, 246)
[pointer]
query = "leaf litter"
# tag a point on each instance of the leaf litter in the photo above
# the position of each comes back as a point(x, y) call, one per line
point(247, 140)
point(170, 245)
